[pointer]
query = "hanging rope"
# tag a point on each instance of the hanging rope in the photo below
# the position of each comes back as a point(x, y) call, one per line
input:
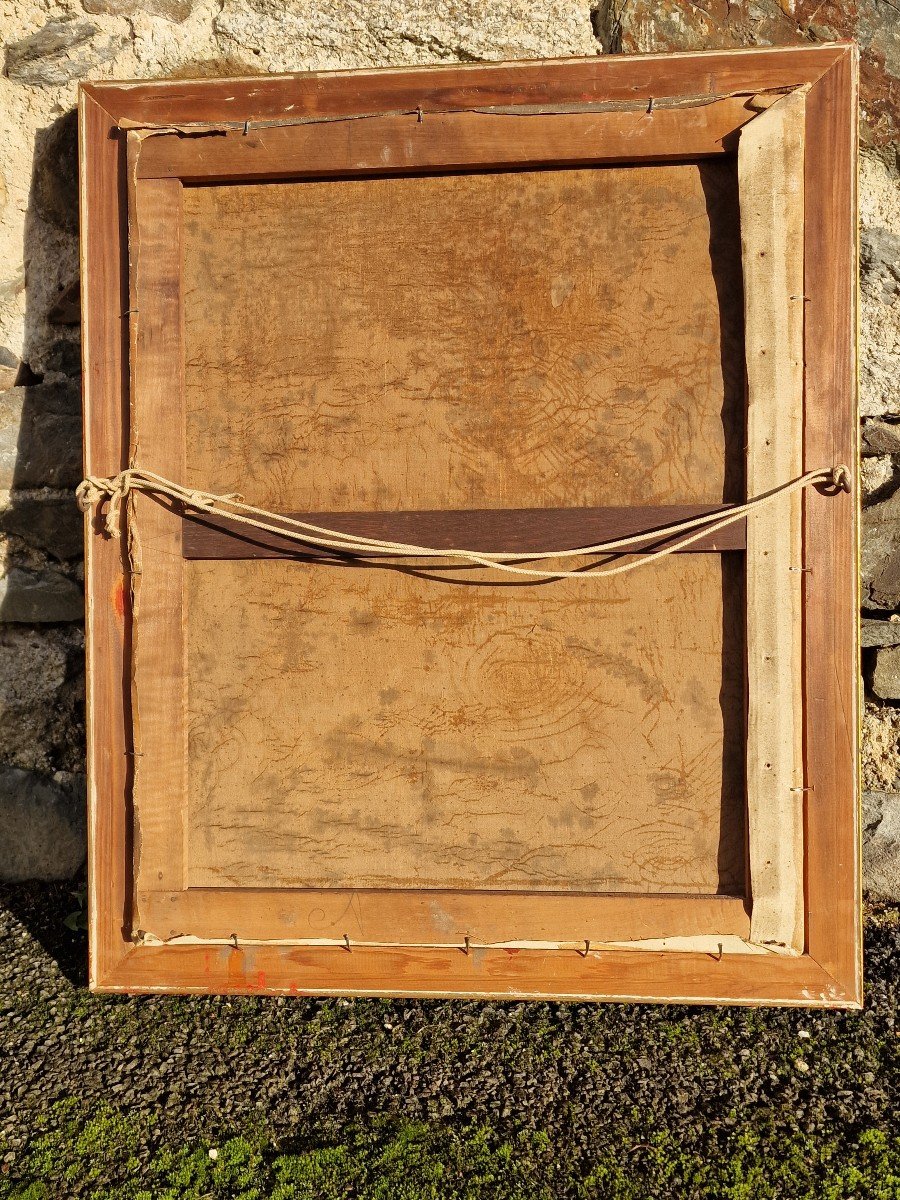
point(115, 490)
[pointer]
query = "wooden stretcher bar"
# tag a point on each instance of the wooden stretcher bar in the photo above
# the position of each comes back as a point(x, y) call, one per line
point(474, 139)
point(770, 169)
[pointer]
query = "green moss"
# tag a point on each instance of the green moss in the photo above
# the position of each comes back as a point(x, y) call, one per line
point(81, 1151)
point(111, 1156)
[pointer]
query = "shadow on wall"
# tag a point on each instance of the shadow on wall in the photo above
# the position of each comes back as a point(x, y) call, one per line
point(41, 593)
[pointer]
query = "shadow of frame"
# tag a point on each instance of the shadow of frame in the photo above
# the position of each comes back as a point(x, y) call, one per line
point(42, 794)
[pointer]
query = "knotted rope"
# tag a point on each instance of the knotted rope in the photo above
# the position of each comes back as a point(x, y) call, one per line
point(93, 490)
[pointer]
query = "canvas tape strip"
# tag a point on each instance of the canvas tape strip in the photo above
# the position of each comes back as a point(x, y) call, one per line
point(93, 490)
point(716, 946)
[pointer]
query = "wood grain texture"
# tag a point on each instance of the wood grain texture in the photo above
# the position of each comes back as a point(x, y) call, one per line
point(770, 172)
point(475, 341)
point(374, 728)
point(385, 145)
point(831, 531)
point(522, 530)
point(157, 663)
point(542, 81)
point(104, 283)
point(662, 976)
point(435, 916)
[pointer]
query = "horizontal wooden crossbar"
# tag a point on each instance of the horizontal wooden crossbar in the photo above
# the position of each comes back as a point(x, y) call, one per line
point(389, 143)
point(507, 530)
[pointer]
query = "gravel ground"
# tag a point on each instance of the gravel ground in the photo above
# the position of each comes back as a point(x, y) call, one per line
point(174, 1098)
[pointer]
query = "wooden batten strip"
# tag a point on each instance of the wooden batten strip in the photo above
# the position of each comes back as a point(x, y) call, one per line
point(512, 530)
point(410, 916)
point(447, 141)
point(158, 673)
point(770, 174)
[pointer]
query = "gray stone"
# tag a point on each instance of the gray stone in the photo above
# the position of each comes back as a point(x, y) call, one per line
point(40, 436)
point(879, 262)
point(880, 437)
point(172, 10)
point(878, 33)
point(886, 676)
point(13, 286)
point(66, 309)
point(287, 35)
point(639, 26)
point(66, 48)
point(881, 554)
point(9, 369)
point(879, 364)
point(62, 357)
point(874, 632)
point(46, 522)
point(44, 828)
point(880, 749)
point(881, 843)
point(42, 697)
point(39, 597)
point(879, 324)
point(876, 475)
point(54, 185)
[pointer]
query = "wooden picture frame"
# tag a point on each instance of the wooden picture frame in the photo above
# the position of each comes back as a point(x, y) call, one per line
point(154, 158)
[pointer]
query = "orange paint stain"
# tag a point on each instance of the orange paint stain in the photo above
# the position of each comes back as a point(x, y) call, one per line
point(118, 597)
point(234, 965)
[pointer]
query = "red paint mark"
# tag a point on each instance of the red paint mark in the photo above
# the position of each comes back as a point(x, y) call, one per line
point(511, 950)
point(260, 979)
point(118, 597)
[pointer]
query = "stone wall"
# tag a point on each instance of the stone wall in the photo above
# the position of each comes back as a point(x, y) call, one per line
point(51, 46)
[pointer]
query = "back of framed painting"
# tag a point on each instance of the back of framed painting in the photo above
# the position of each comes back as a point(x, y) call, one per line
point(494, 680)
